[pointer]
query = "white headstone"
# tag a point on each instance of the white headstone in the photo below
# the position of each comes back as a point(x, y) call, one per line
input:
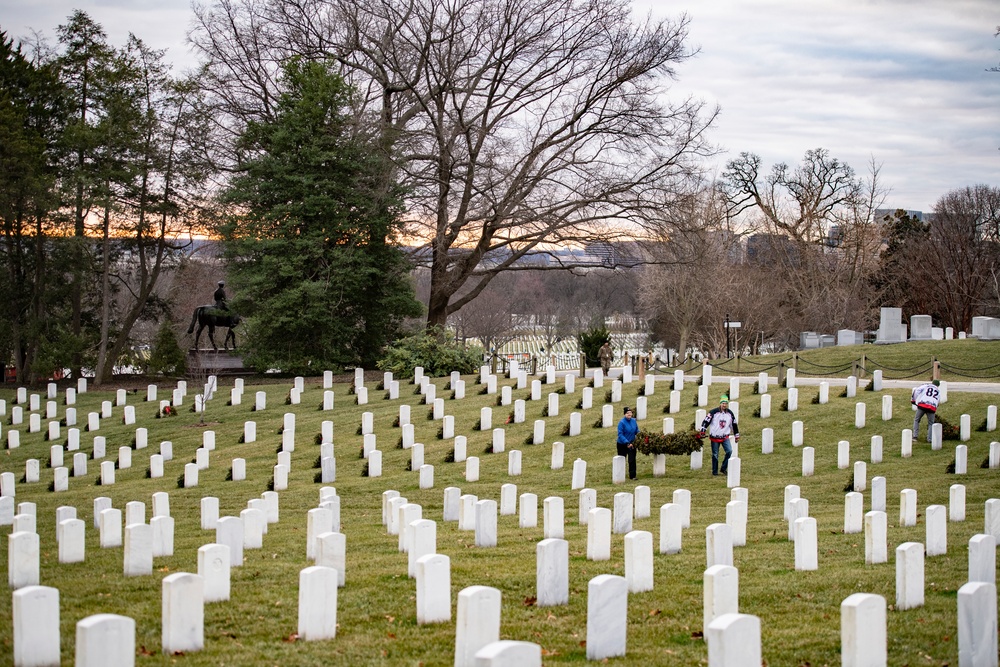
point(624, 511)
point(553, 517)
point(607, 616)
point(579, 474)
point(422, 541)
point(806, 544)
point(854, 509)
point(639, 561)
point(23, 566)
point(528, 515)
point(552, 572)
point(317, 603)
point(720, 593)
point(670, 528)
point(977, 624)
point(183, 617)
point(105, 640)
point(138, 550)
point(486, 523)
point(558, 455)
point(983, 558)
point(477, 622)
point(229, 531)
point(876, 549)
point(863, 637)
point(433, 574)
point(35, 611)
point(734, 641)
point(599, 534)
point(718, 545)
point(937, 530)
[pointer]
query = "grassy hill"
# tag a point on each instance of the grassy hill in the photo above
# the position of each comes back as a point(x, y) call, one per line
point(960, 360)
point(800, 611)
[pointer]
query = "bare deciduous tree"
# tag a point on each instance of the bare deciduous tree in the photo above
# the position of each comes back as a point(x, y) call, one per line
point(801, 202)
point(824, 237)
point(145, 212)
point(516, 125)
point(489, 317)
point(961, 254)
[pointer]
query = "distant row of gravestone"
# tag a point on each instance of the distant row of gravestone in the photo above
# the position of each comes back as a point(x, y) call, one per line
point(892, 330)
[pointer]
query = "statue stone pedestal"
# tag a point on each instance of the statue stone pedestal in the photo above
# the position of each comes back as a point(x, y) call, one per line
point(216, 362)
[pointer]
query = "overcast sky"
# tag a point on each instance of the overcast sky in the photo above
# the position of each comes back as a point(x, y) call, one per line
point(902, 81)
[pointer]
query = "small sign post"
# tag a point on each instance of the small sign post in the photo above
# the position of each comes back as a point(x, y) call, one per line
point(730, 324)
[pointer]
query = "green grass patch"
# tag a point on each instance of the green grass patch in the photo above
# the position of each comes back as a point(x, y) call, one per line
point(800, 611)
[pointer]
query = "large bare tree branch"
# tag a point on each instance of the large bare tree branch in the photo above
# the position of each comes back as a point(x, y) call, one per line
point(514, 124)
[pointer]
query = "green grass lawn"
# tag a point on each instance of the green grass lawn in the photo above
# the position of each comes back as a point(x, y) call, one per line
point(800, 611)
point(960, 361)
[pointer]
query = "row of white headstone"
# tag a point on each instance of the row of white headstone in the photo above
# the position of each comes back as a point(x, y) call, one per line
point(606, 635)
point(426, 387)
point(36, 636)
point(494, 513)
point(419, 538)
point(719, 542)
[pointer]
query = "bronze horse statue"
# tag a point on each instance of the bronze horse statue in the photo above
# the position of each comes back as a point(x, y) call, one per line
point(211, 317)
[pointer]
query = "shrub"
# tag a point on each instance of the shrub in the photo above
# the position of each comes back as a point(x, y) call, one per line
point(590, 342)
point(167, 357)
point(437, 352)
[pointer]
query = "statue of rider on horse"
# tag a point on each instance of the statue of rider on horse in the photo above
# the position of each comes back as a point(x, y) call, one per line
point(216, 315)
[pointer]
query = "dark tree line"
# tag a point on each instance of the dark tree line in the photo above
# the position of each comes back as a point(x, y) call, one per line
point(103, 170)
point(308, 233)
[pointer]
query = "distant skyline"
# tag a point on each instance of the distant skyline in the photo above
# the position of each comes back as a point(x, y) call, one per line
point(902, 82)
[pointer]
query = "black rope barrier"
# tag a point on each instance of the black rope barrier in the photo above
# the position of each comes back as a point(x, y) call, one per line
point(956, 369)
point(842, 365)
point(831, 370)
point(757, 363)
point(974, 377)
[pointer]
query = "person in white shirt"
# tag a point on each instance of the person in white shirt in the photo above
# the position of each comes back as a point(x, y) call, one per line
point(926, 398)
point(720, 423)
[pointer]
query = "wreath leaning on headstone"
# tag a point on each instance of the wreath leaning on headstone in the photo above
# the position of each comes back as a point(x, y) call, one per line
point(671, 444)
point(948, 430)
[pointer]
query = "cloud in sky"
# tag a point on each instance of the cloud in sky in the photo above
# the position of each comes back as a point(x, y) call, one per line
point(903, 82)
point(162, 24)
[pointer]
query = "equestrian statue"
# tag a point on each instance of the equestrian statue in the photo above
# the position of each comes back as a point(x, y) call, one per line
point(215, 315)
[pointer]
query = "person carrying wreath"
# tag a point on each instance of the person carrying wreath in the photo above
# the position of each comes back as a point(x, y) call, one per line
point(628, 428)
point(720, 423)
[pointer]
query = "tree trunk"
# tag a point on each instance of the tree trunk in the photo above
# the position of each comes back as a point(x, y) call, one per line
point(104, 367)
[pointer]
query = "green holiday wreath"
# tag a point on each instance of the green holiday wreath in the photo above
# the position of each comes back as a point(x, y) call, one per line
point(672, 444)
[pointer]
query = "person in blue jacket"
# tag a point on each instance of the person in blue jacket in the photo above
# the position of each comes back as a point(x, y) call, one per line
point(628, 428)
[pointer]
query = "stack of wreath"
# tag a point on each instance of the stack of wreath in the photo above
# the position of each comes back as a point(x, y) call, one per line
point(672, 444)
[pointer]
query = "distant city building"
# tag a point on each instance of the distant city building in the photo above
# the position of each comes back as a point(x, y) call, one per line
point(771, 249)
point(883, 213)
